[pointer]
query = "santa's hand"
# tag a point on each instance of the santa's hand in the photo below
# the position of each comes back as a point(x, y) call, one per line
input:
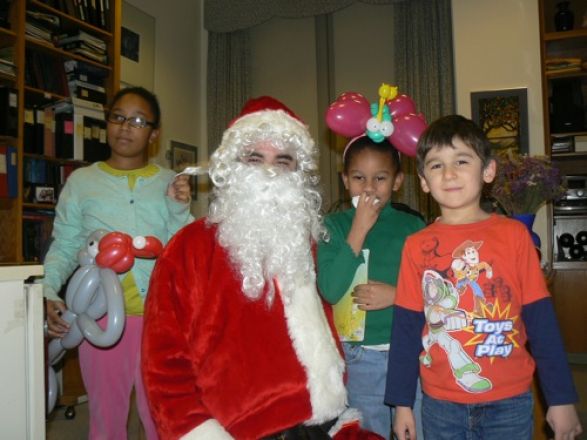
point(455, 321)
point(180, 190)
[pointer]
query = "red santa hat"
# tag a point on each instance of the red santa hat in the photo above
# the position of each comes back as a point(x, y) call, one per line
point(263, 103)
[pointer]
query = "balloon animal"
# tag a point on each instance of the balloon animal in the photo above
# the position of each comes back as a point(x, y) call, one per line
point(394, 118)
point(93, 291)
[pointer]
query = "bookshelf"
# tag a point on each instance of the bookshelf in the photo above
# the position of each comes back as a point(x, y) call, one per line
point(33, 65)
point(564, 99)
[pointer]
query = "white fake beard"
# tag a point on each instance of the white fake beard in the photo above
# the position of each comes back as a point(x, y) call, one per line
point(266, 219)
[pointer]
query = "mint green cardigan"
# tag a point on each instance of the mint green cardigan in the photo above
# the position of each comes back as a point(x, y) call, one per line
point(94, 199)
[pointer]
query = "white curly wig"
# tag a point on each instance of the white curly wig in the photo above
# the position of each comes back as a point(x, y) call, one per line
point(283, 131)
point(258, 210)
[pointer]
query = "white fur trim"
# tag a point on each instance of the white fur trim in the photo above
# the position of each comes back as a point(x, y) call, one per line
point(316, 349)
point(349, 415)
point(209, 430)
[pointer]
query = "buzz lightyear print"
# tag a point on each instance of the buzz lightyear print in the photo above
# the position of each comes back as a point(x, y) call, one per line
point(441, 300)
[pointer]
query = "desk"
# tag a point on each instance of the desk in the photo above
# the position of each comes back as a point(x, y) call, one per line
point(22, 403)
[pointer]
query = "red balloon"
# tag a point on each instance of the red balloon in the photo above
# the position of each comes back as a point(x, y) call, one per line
point(348, 115)
point(153, 247)
point(401, 105)
point(115, 252)
point(407, 131)
point(345, 96)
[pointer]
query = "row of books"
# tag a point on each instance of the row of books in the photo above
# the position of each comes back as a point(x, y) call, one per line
point(8, 171)
point(69, 78)
point(45, 71)
point(46, 173)
point(94, 12)
point(84, 44)
point(67, 130)
point(7, 66)
point(8, 111)
point(5, 13)
point(37, 227)
point(46, 27)
point(41, 26)
point(563, 65)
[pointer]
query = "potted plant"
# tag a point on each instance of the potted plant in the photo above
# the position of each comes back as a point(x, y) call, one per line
point(523, 184)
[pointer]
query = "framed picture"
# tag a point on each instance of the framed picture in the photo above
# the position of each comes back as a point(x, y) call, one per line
point(44, 194)
point(137, 47)
point(184, 155)
point(503, 117)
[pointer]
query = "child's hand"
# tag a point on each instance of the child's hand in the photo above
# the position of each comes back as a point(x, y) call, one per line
point(564, 422)
point(57, 327)
point(374, 295)
point(404, 424)
point(179, 190)
point(368, 209)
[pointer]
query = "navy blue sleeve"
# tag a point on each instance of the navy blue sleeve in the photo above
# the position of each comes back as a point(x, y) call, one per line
point(404, 351)
point(547, 349)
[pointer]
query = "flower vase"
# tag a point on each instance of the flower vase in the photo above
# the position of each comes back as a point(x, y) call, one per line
point(528, 220)
point(564, 17)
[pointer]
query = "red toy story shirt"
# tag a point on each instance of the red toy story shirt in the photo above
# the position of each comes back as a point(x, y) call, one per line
point(471, 281)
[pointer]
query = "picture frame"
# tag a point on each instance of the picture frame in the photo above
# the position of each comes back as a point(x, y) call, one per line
point(183, 155)
point(137, 48)
point(44, 194)
point(503, 117)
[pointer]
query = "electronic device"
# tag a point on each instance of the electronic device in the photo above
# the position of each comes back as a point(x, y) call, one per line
point(575, 199)
point(567, 107)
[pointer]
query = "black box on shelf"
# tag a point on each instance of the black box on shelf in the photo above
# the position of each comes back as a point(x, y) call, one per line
point(8, 111)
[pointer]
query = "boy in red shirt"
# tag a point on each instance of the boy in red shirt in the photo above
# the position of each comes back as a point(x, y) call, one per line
point(470, 295)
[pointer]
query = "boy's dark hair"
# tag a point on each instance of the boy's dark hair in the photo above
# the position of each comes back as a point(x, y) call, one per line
point(442, 132)
point(148, 96)
point(365, 143)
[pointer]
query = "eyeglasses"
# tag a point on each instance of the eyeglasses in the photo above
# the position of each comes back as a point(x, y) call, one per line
point(133, 121)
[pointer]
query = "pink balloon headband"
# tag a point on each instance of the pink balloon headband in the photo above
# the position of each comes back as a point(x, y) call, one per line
point(393, 118)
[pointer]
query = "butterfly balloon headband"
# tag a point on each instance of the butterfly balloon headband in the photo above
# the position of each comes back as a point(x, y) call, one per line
point(393, 118)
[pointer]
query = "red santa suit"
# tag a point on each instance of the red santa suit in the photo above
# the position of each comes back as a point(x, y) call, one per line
point(218, 365)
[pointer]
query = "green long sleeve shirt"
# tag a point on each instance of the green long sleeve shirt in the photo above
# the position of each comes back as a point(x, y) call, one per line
point(337, 262)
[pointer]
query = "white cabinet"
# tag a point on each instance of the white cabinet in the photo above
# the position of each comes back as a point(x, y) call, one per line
point(22, 376)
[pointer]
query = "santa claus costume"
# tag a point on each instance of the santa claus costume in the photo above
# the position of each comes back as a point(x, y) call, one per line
point(237, 343)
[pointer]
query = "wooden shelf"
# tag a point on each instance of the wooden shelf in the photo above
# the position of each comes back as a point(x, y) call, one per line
point(74, 22)
point(7, 78)
point(554, 75)
point(575, 33)
point(7, 33)
point(570, 265)
point(56, 159)
point(49, 48)
point(49, 96)
point(47, 206)
point(571, 155)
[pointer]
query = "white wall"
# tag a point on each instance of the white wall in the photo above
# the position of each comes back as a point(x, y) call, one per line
point(180, 43)
point(497, 46)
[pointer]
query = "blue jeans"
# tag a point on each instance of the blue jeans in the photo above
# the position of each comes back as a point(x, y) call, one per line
point(510, 419)
point(367, 373)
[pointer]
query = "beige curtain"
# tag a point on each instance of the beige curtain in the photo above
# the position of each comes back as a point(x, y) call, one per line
point(423, 48)
point(228, 84)
point(424, 70)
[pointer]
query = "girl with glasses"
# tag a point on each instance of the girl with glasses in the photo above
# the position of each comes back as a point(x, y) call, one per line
point(126, 194)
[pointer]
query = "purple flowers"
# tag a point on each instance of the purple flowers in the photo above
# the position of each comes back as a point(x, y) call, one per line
point(523, 183)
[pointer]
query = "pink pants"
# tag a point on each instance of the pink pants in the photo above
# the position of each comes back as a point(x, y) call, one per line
point(109, 375)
